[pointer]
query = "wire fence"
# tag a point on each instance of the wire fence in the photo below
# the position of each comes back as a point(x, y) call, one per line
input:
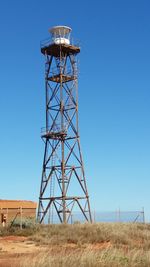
point(104, 217)
point(120, 216)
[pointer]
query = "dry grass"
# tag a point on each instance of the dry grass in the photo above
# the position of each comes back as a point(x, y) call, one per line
point(89, 258)
point(90, 245)
point(131, 235)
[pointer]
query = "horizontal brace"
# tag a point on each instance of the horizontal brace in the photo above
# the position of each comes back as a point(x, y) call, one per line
point(63, 198)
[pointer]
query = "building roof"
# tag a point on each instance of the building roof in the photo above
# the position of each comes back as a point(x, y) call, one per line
point(60, 30)
point(15, 204)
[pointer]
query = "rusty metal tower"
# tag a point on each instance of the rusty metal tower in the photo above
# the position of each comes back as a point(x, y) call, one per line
point(63, 186)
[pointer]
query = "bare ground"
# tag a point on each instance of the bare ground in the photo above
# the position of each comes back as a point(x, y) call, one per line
point(14, 249)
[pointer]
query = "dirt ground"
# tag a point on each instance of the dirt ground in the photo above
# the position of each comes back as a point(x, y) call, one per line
point(15, 248)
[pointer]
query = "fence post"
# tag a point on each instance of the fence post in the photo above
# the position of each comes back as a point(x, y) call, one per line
point(21, 218)
point(94, 217)
point(143, 213)
point(7, 217)
point(71, 217)
point(1, 216)
point(118, 215)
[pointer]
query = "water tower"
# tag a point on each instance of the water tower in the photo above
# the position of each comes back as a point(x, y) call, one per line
point(63, 192)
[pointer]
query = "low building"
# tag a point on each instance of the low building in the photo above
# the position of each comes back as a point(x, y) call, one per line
point(13, 210)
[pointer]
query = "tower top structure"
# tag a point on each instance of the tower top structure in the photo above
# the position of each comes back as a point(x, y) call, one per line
point(60, 34)
point(60, 37)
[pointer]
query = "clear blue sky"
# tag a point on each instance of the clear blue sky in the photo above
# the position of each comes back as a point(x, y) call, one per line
point(114, 97)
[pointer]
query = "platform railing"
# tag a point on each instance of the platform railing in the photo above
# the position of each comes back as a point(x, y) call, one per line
point(48, 41)
point(56, 129)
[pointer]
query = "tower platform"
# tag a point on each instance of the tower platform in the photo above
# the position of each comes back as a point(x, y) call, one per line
point(54, 49)
point(62, 78)
point(54, 135)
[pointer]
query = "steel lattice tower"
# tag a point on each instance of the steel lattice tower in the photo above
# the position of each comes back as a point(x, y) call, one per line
point(63, 185)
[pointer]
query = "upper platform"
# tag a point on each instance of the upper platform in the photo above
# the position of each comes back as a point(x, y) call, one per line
point(54, 49)
point(59, 42)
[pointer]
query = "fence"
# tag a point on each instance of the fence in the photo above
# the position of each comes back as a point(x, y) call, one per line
point(105, 216)
point(119, 216)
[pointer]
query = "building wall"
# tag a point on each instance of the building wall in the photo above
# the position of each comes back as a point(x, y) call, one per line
point(11, 210)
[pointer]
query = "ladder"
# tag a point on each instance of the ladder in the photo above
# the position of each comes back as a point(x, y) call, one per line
point(52, 186)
